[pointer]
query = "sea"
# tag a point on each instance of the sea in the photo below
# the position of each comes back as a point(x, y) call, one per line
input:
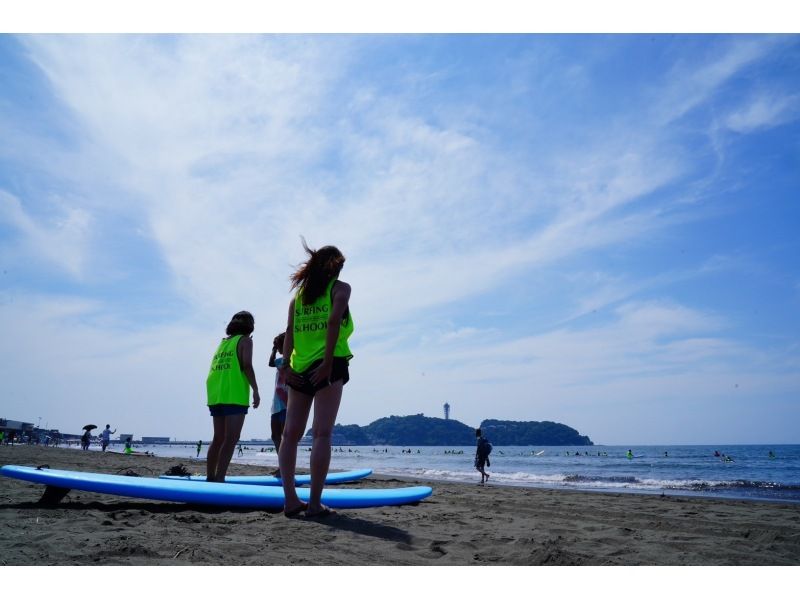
point(754, 472)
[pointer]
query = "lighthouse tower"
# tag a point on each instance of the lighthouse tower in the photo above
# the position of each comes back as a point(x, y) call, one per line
point(447, 410)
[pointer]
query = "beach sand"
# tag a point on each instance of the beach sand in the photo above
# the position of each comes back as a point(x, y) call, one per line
point(461, 524)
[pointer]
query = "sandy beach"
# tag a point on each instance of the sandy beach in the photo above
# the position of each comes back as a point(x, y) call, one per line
point(461, 524)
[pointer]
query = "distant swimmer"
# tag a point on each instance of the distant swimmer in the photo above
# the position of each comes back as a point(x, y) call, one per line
point(717, 454)
point(771, 455)
point(629, 454)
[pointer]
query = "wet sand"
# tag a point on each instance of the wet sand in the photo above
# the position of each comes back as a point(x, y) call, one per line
point(461, 524)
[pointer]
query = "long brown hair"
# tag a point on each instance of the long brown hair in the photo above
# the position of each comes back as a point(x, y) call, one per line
point(313, 275)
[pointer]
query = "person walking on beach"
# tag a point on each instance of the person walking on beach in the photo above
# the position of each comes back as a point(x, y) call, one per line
point(228, 384)
point(281, 395)
point(85, 439)
point(318, 328)
point(105, 437)
point(482, 451)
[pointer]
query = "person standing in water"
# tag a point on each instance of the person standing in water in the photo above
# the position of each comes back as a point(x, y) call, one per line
point(318, 328)
point(228, 384)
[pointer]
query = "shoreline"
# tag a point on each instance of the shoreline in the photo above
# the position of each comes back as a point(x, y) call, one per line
point(683, 473)
point(460, 524)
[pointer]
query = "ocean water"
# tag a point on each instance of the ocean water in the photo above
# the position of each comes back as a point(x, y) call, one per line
point(669, 470)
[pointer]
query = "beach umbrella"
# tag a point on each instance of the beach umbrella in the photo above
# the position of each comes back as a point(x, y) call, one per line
point(89, 427)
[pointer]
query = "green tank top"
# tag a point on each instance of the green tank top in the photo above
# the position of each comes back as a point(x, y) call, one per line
point(226, 383)
point(311, 328)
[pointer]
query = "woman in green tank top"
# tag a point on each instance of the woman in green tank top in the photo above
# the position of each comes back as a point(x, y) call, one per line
point(228, 384)
point(317, 331)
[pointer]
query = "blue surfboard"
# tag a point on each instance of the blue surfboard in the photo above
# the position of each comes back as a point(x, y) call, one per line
point(223, 495)
point(339, 477)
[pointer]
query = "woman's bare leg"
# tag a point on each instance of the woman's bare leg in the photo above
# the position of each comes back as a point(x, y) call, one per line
point(298, 408)
point(276, 427)
point(212, 458)
point(326, 407)
point(233, 428)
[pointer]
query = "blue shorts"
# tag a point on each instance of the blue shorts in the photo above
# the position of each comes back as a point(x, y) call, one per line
point(225, 410)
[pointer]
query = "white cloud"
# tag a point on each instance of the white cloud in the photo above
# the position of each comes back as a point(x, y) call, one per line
point(221, 143)
point(691, 83)
point(60, 237)
point(762, 112)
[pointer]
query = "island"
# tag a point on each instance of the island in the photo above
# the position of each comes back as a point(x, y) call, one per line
point(419, 430)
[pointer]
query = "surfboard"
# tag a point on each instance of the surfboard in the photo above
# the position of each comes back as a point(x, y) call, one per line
point(339, 477)
point(539, 453)
point(224, 495)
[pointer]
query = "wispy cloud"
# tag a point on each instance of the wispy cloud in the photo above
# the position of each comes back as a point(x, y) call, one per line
point(61, 237)
point(692, 82)
point(764, 111)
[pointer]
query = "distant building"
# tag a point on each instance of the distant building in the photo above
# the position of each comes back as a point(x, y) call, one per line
point(10, 425)
point(155, 439)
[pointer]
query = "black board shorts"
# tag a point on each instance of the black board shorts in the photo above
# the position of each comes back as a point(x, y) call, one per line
point(226, 409)
point(340, 371)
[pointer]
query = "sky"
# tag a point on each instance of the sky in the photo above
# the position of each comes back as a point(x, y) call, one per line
point(597, 230)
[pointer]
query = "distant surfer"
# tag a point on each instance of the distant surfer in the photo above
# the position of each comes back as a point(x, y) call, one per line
point(316, 344)
point(630, 454)
point(228, 384)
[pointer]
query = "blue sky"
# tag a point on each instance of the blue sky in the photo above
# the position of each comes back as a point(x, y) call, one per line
point(599, 230)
